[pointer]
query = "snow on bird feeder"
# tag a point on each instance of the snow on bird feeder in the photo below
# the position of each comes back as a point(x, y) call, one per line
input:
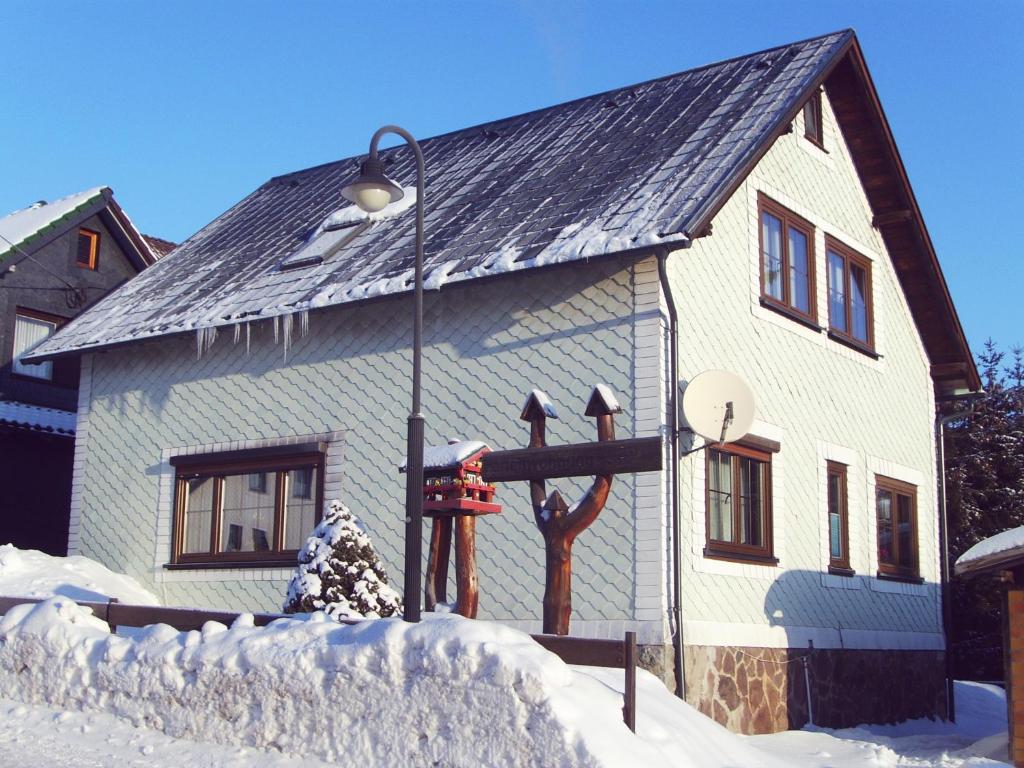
point(454, 490)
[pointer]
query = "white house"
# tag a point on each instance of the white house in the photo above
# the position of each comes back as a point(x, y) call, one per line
point(751, 215)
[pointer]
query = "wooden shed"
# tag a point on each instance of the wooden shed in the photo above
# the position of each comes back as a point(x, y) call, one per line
point(1004, 554)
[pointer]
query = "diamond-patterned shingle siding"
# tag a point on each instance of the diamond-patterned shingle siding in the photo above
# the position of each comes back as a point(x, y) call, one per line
point(594, 176)
point(822, 401)
point(486, 346)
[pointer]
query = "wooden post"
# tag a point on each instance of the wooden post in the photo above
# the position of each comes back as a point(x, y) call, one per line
point(112, 624)
point(435, 589)
point(556, 522)
point(629, 694)
point(468, 591)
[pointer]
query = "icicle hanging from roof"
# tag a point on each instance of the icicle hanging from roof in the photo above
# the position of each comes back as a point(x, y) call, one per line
point(248, 336)
point(286, 331)
point(204, 340)
point(276, 328)
point(238, 331)
point(304, 323)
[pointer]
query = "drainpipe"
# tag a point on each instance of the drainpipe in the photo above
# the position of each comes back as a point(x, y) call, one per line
point(947, 602)
point(673, 424)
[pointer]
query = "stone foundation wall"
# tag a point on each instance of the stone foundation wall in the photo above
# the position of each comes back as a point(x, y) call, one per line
point(764, 690)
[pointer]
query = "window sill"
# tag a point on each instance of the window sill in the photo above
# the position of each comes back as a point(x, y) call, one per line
point(859, 346)
point(289, 562)
point(819, 144)
point(741, 557)
point(792, 314)
point(905, 579)
point(836, 570)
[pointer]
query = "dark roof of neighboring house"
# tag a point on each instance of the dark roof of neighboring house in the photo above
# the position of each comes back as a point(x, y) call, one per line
point(159, 246)
point(29, 229)
point(635, 168)
point(36, 418)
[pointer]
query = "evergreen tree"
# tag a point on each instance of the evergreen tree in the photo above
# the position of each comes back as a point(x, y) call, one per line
point(340, 573)
point(985, 488)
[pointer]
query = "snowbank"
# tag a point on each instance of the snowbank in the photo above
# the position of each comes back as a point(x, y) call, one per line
point(30, 573)
point(446, 691)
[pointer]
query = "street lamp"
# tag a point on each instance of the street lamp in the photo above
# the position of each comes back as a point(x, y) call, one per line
point(372, 191)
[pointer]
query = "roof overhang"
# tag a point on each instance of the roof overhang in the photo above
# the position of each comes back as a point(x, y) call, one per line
point(1006, 560)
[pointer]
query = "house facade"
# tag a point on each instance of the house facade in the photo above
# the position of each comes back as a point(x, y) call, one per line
point(56, 259)
point(754, 227)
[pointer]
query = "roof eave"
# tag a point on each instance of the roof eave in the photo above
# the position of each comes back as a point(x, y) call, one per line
point(946, 380)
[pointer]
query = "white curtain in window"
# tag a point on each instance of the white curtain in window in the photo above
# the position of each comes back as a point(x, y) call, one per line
point(28, 333)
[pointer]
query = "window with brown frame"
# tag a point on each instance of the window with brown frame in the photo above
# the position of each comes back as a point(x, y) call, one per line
point(850, 315)
point(812, 120)
point(32, 328)
point(896, 511)
point(246, 508)
point(838, 523)
point(88, 248)
point(787, 261)
point(738, 503)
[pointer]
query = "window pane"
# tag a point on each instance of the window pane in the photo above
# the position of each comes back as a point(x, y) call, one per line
point(248, 516)
point(720, 496)
point(198, 514)
point(905, 532)
point(799, 283)
point(300, 506)
point(836, 291)
point(85, 245)
point(752, 502)
point(771, 239)
point(883, 501)
point(835, 521)
point(28, 333)
point(859, 302)
point(811, 127)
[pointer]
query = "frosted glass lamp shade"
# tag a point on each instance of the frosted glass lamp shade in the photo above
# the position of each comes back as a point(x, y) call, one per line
point(372, 191)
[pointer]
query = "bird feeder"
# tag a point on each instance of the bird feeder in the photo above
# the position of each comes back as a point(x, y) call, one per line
point(454, 495)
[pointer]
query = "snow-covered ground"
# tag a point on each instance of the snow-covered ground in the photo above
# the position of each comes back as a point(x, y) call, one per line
point(29, 573)
point(447, 691)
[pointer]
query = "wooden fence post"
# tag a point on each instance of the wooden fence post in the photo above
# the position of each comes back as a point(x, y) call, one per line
point(629, 694)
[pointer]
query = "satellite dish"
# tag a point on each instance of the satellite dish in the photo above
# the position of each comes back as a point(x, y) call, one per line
point(718, 406)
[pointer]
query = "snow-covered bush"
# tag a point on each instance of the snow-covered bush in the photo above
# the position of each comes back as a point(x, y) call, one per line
point(339, 572)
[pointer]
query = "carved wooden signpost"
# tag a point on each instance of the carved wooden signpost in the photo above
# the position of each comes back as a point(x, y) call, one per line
point(559, 523)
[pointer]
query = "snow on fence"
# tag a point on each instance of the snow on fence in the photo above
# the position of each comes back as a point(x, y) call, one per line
point(572, 650)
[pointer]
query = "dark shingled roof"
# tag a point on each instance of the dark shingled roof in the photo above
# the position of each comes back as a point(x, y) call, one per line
point(637, 166)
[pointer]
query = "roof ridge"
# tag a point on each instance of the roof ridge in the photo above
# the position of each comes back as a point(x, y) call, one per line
point(562, 104)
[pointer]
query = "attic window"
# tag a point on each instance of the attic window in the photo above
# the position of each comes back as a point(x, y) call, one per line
point(88, 248)
point(812, 120)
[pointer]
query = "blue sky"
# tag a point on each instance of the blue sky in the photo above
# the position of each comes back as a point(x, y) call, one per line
point(183, 108)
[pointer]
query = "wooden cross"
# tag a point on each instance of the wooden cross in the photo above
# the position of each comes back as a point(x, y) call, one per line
point(559, 523)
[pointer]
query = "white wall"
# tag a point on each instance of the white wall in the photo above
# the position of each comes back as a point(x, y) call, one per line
point(820, 400)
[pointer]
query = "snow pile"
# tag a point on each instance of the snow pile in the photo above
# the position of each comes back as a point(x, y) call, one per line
point(447, 691)
point(977, 738)
point(339, 572)
point(30, 573)
point(993, 545)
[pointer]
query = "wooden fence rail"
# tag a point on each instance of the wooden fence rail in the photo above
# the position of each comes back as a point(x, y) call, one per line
point(572, 650)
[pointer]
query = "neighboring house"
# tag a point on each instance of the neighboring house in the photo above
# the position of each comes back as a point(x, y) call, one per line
point(761, 201)
point(56, 259)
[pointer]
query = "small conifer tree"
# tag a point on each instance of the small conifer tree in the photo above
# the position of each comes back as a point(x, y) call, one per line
point(340, 573)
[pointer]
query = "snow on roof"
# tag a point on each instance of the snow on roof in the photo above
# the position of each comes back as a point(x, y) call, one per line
point(441, 456)
point(638, 166)
point(20, 226)
point(38, 418)
point(993, 550)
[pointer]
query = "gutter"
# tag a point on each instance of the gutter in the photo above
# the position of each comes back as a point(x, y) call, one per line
point(677, 579)
point(944, 574)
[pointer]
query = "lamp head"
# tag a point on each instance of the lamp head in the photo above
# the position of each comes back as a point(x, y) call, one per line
point(372, 191)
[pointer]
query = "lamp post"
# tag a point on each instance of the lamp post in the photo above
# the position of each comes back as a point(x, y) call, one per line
point(372, 191)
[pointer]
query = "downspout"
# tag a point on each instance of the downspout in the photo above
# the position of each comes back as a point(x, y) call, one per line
point(673, 424)
point(947, 602)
